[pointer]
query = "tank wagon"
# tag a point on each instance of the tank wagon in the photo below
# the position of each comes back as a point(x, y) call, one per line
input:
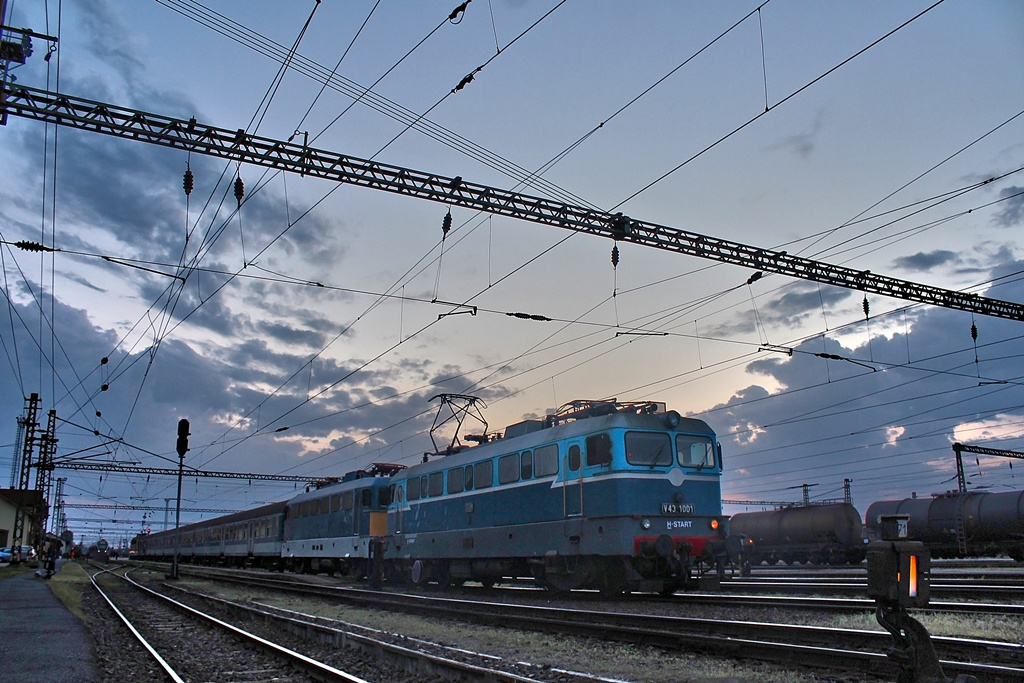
point(816, 534)
point(606, 495)
point(953, 524)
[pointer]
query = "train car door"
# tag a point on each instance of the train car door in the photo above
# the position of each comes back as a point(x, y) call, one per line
point(572, 483)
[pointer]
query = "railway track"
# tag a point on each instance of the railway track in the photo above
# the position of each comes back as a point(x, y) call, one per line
point(786, 644)
point(941, 587)
point(188, 644)
point(168, 629)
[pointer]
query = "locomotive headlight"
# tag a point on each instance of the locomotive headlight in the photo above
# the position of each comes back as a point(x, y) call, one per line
point(646, 524)
point(714, 524)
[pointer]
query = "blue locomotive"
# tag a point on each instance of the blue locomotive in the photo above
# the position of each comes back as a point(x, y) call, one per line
point(601, 494)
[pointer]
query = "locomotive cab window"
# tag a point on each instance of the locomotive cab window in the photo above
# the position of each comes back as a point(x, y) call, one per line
point(650, 449)
point(384, 497)
point(695, 451)
point(367, 496)
point(527, 465)
point(573, 458)
point(347, 501)
point(599, 449)
point(413, 488)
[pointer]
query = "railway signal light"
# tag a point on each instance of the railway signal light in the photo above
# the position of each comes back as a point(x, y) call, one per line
point(183, 434)
point(899, 571)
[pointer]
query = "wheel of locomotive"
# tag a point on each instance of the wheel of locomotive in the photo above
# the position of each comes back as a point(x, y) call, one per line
point(537, 570)
point(669, 589)
point(443, 576)
point(613, 579)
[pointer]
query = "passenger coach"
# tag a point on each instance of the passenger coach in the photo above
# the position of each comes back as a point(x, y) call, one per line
point(251, 537)
point(606, 495)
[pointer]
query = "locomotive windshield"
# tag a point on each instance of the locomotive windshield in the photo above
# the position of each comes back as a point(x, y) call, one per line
point(695, 451)
point(652, 449)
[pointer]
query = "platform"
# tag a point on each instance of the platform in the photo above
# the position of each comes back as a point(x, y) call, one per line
point(41, 641)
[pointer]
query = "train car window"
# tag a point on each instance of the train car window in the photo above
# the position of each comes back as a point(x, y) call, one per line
point(695, 451)
point(469, 477)
point(347, 501)
point(423, 486)
point(526, 468)
point(545, 460)
point(599, 449)
point(508, 468)
point(335, 502)
point(304, 509)
point(651, 449)
point(574, 458)
point(456, 480)
point(367, 496)
point(412, 487)
point(384, 497)
point(435, 487)
point(483, 474)
point(391, 492)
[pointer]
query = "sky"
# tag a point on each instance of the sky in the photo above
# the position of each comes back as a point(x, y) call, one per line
point(316, 320)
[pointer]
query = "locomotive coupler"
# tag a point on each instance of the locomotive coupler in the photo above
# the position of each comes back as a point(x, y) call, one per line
point(899, 575)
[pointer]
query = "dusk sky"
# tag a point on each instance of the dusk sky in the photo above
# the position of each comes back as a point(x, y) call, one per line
point(312, 323)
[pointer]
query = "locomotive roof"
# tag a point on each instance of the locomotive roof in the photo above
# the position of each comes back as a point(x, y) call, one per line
point(595, 417)
point(338, 487)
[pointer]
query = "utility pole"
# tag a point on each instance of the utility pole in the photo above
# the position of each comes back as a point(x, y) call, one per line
point(167, 511)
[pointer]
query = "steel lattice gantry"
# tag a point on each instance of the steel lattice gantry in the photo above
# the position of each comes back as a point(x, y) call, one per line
point(134, 469)
point(960, 448)
point(240, 146)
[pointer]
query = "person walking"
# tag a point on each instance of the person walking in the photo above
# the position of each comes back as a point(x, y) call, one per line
point(51, 559)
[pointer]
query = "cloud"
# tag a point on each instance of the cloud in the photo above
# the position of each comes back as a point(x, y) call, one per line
point(888, 429)
point(1012, 211)
point(922, 261)
point(803, 144)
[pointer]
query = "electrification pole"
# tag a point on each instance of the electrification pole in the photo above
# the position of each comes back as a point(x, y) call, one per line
point(182, 447)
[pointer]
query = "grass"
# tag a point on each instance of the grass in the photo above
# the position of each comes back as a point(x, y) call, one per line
point(68, 585)
point(13, 570)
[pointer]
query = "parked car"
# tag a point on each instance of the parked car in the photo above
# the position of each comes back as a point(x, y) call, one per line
point(27, 553)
